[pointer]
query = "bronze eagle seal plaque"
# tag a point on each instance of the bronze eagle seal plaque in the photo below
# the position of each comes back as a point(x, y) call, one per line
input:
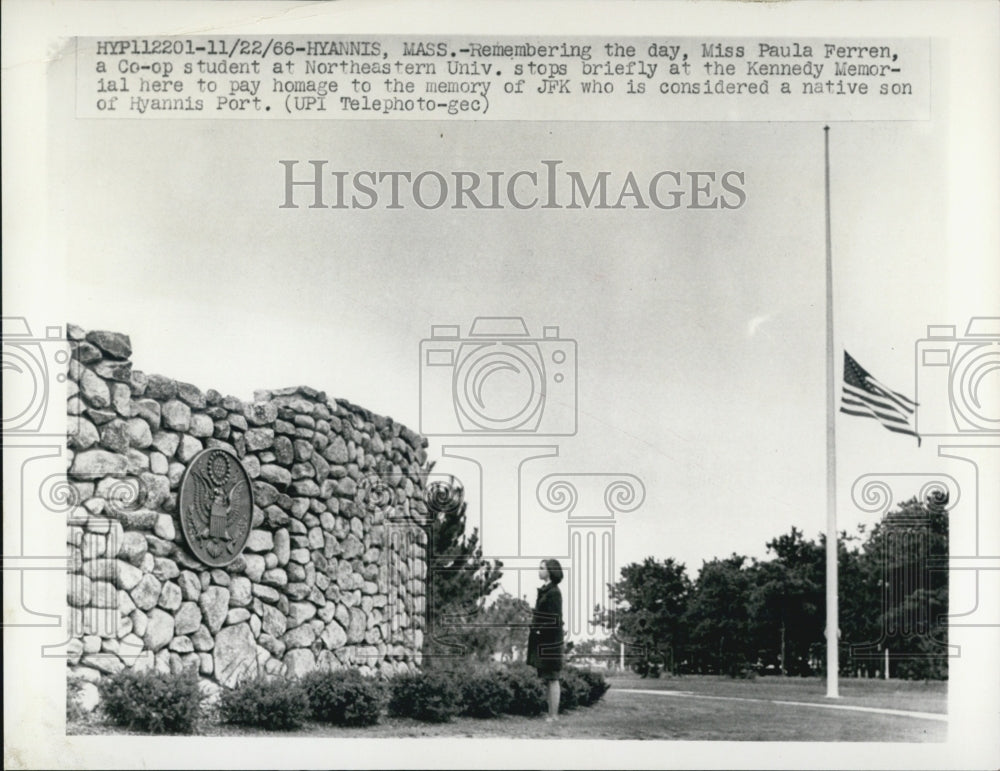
point(216, 506)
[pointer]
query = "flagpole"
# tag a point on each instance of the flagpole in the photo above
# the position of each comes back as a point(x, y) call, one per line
point(832, 636)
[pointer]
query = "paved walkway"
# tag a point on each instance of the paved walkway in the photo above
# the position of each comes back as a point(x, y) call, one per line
point(820, 705)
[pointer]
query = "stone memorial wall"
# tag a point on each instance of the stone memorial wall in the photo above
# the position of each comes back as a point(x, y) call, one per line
point(299, 546)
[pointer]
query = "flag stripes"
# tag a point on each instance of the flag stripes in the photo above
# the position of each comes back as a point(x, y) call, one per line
point(865, 397)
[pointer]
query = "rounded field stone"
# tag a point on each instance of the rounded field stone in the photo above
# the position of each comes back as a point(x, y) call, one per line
point(300, 612)
point(234, 655)
point(237, 616)
point(146, 593)
point(240, 592)
point(139, 433)
point(202, 425)
point(81, 433)
point(214, 604)
point(260, 541)
point(164, 527)
point(94, 389)
point(176, 415)
point(113, 344)
point(191, 395)
point(188, 618)
point(188, 448)
point(299, 662)
point(98, 463)
point(159, 630)
point(170, 596)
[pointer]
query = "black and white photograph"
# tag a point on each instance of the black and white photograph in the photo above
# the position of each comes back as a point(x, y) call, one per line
point(489, 385)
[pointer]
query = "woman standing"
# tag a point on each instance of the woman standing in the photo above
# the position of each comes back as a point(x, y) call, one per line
point(545, 640)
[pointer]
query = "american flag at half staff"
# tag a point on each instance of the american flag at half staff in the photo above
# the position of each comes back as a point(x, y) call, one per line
point(865, 397)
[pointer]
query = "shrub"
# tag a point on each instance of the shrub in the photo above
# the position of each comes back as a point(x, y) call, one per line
point(528, 695)
point(582, 687)
point(152, 701)
point(486, 693)
point(574, 690)
point(265, 703)
point(74, 710)
point(647, 667)
point(429, 696)
point(596, 683)
point(344, 697)
point(403, 691)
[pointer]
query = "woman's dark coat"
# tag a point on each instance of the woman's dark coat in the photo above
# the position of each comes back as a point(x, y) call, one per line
point(545, 640)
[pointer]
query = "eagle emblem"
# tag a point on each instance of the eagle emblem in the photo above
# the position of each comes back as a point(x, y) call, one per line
point(216, 506)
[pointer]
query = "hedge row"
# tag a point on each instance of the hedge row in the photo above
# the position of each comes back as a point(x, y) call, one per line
point(172, 703)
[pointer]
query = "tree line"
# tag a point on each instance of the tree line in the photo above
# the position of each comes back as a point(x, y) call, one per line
point(742, 615)
point(738, 616)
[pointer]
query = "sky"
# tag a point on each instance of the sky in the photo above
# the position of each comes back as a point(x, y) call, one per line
point(700, 334)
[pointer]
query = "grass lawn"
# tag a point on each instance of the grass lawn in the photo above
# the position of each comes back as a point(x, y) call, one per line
point(887, 694)
point(624, 715)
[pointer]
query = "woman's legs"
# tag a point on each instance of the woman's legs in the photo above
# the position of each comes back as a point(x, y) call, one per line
point(554, 698)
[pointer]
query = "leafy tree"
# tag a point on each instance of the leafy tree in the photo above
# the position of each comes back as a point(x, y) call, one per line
point(858, 603)
point(904, 566)
point(718, 617)
point(506, 623)
point(649, 605)
point(459, 580)
point(740, 614)
point(787, 603)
